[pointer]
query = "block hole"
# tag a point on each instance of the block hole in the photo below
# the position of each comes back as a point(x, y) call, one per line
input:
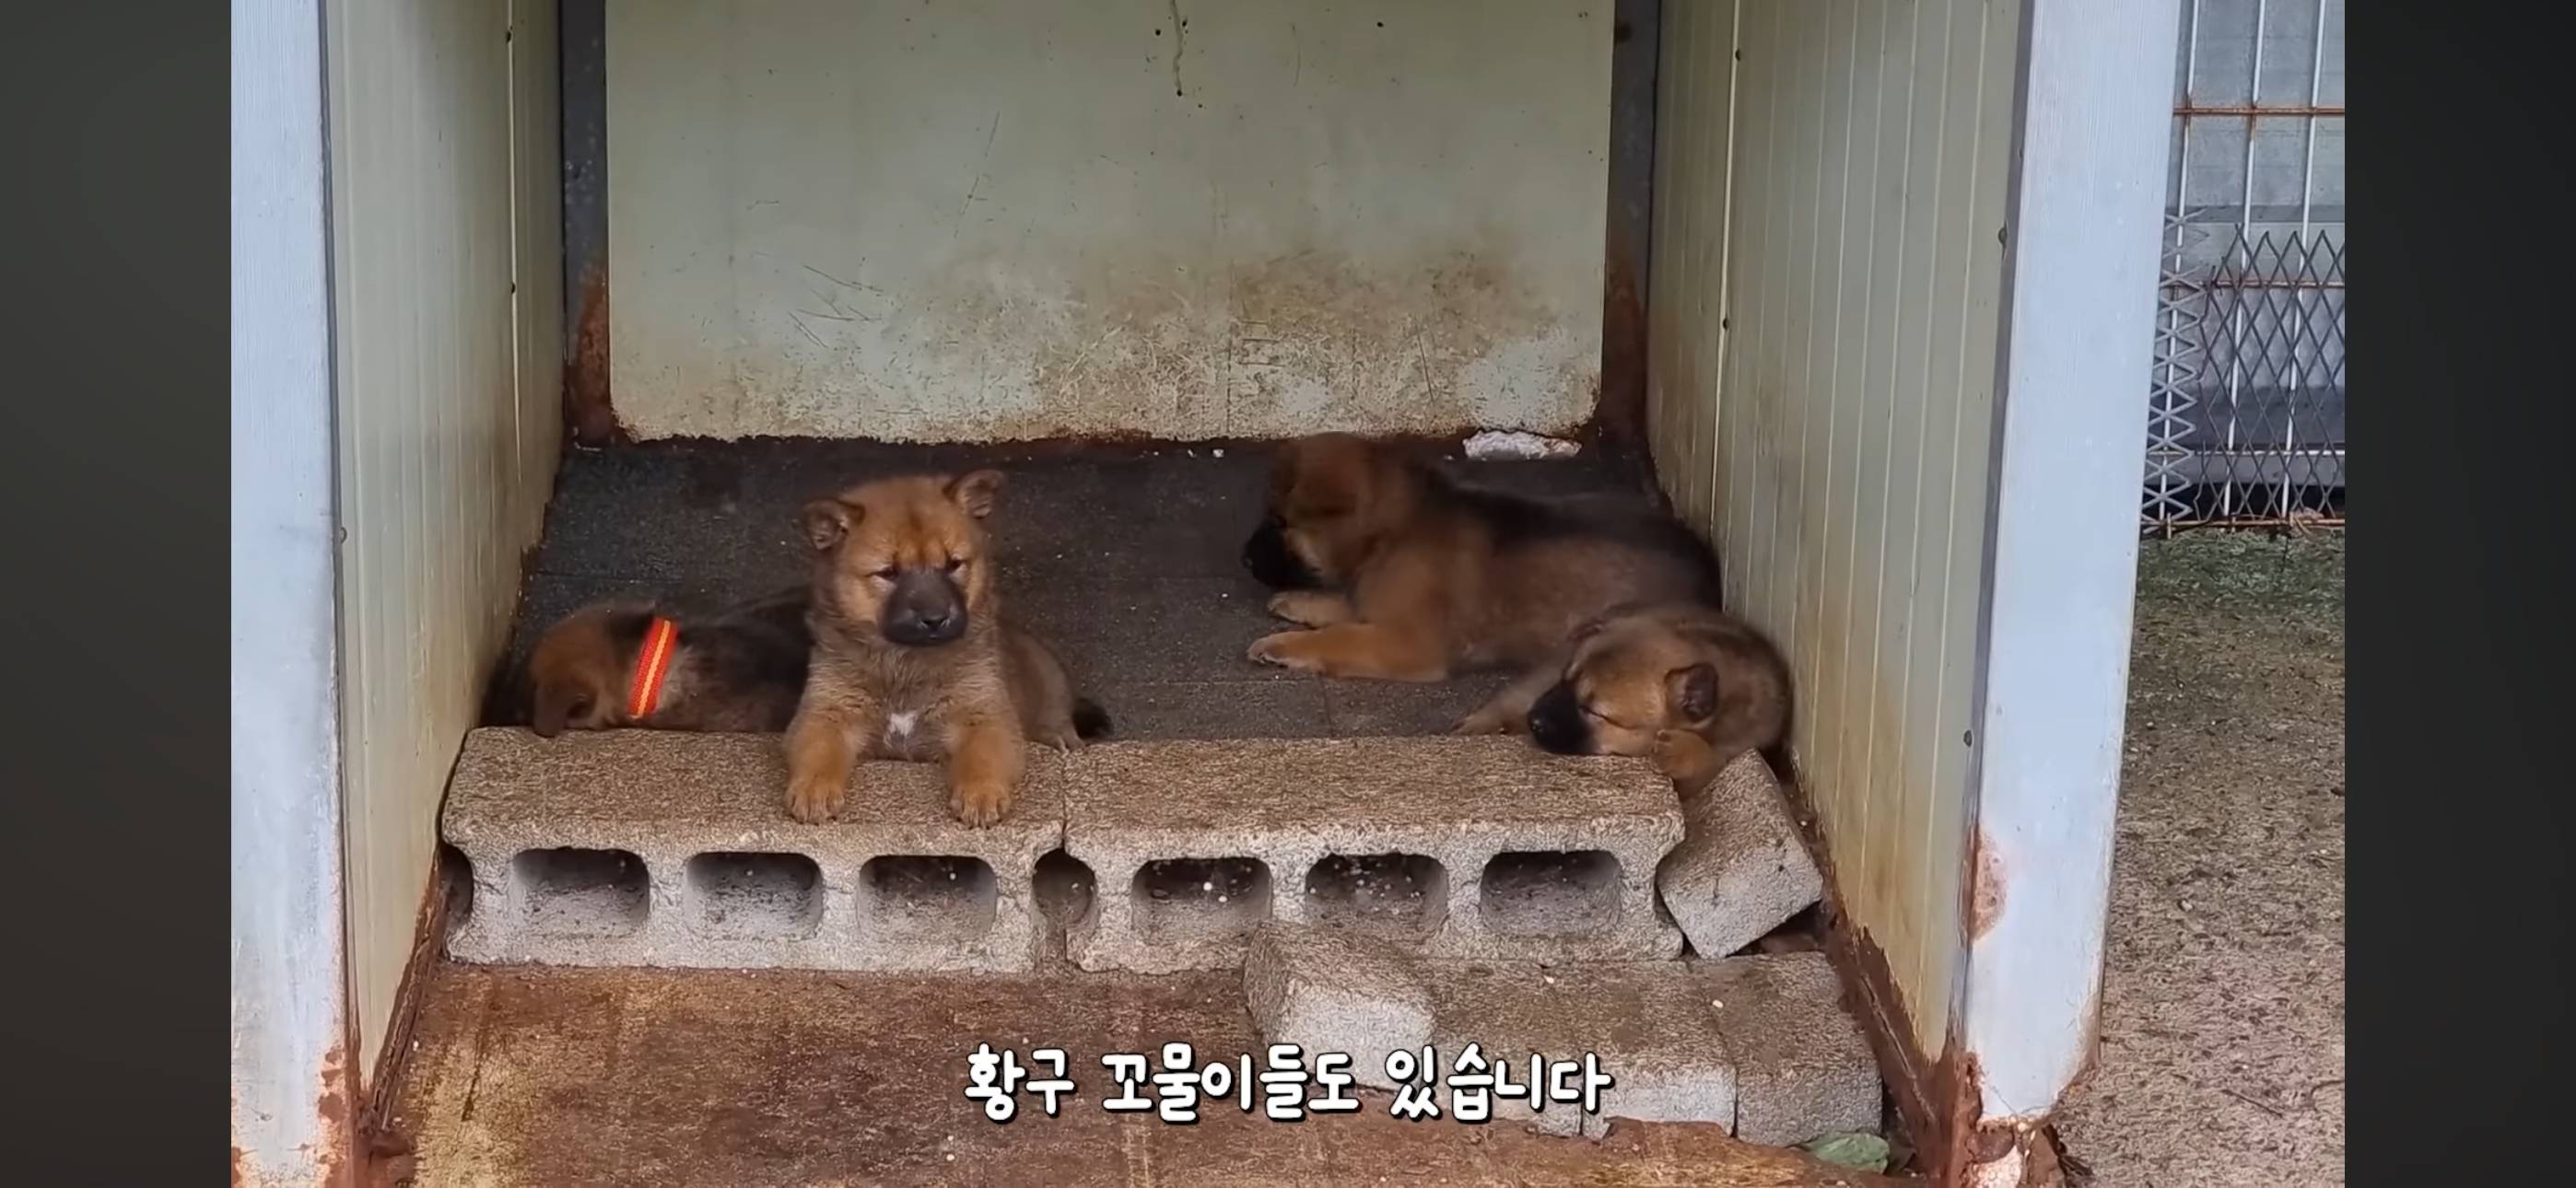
point(1397, 894)
point(746, 896)
point(1065, 887)
point(1550, 892)
point(455, 889)
point(586, 893)
point(907, 898)
point(1201, 898)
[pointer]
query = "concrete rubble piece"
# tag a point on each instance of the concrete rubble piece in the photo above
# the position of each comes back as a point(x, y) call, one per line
point(1458, 848)
point(1759, 1045)
point(1803, 1066)
point(1331, 991)
point(1743, 869)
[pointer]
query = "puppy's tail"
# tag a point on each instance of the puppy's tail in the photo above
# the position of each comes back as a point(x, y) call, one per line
point(1089, 720)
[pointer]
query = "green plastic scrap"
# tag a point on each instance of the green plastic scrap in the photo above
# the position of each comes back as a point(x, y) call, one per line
point(1852, 1149)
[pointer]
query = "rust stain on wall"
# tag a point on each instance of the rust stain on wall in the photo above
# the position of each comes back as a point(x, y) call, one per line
point(1619, 407)
point(587, 410)
point(332, 1107)
point(1985, 888)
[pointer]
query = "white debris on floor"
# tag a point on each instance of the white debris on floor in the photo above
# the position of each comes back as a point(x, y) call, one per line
point(1516, 445)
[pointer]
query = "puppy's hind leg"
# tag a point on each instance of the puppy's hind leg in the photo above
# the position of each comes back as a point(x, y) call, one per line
point(1311, 608)
point(1507, 712)
point(1375, 650)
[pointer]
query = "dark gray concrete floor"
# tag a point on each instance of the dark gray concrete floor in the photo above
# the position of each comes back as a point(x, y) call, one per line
point(2222, 1036)
point(1126, 559)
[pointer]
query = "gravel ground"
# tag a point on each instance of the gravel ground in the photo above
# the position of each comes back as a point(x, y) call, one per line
point(2222, 1030)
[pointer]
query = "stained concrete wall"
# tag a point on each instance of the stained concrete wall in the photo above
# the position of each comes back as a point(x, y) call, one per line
point(1008, 219)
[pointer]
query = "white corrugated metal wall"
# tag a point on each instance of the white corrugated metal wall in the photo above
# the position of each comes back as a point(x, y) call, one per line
point(1836, 441)
point(1874, 221)
point(447, 313)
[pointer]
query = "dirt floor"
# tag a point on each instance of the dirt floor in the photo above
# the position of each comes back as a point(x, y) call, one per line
point(2222, 1020)
point(559, 1077)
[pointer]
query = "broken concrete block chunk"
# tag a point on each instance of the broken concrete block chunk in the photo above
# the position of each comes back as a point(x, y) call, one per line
point(1742, 868)
point(1648, 1024)
point(1803, 1066)
point(1333, 991)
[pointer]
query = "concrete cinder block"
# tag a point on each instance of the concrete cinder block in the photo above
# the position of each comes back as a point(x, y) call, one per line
point(1803, 1066)
point(1469, 848)
point(1742, 868)
point(663, 848)
point(1649, 1023)
point(1336, 991)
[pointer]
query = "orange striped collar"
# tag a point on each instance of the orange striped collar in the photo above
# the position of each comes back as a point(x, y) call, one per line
point(652, 668)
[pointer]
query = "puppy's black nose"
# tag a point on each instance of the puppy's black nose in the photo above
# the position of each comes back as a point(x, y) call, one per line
point(1556, 723)
point(934, 622)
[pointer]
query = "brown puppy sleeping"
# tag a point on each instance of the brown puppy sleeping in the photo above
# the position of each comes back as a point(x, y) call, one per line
point(912, 659)
point(1687, 685)
point(1396, 572)
point(639, 664)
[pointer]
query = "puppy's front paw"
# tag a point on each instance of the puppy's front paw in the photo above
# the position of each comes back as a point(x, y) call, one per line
point(1681, 755)
point(1484, 721)
point(1285, 649)
point(980, 804)
point(814, 800)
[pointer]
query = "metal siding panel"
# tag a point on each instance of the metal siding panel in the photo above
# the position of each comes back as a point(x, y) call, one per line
point(289, 990)
point(1696, 78)
point(1878, 789)
point(2086, 209)
point(438, 467)
point(1859, 281)
point(537, 265)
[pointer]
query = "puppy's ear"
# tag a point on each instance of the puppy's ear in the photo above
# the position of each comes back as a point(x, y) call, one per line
point(827, 521)
point(1692, 692)
point(1588, 628)
point(976, 492)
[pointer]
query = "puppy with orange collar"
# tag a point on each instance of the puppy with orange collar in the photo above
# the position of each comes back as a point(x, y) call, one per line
point(637, 664)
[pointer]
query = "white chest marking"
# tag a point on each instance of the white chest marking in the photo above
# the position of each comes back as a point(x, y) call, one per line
point(900, 725)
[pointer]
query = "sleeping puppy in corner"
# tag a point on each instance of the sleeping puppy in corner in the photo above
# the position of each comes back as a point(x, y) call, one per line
point(637, 664)
point(1392, 570)
point(1686, 685)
